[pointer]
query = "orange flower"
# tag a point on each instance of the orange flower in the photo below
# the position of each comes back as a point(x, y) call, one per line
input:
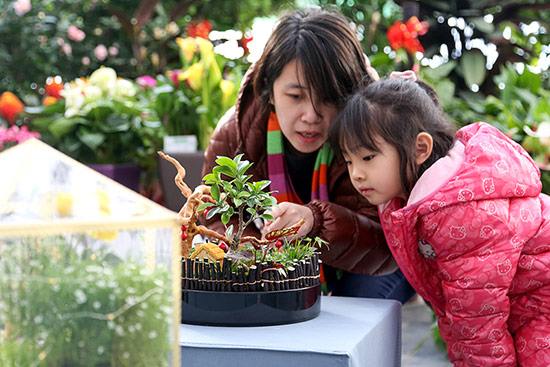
point(48, 100)
point(10, 106)
point(54, 85)
point(406, 35)
point(201, 29)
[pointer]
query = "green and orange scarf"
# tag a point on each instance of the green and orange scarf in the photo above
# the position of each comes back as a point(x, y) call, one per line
point(278, 173)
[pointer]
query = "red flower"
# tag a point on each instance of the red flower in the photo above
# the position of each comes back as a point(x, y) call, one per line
point(54, 85)
point(406, 35)
point(201, 29)
point(10, 106)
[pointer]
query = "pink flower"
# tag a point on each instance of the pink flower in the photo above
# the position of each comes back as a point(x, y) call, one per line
point(146, 81)
point(67, 49)
point(113, 51)
point(173, 75)
point(101, 52)
point(75, 34)
point(15, 135)
point(22, 7)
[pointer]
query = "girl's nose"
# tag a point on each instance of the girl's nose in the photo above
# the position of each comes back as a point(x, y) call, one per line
point(357, 174)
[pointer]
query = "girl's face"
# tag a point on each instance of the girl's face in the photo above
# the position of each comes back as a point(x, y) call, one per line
point(305, 127)
point(375, 174)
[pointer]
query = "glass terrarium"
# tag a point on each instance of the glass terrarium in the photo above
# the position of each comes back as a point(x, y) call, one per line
point(90, 271)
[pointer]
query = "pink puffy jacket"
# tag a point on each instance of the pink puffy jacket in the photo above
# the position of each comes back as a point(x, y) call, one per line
point(474, 241)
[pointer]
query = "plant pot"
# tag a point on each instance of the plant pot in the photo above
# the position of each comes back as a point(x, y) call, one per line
point(127, 174)
point(192, 162)
point(250, 308)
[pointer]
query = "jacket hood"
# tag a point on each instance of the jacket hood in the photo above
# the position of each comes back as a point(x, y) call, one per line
point(482, 164)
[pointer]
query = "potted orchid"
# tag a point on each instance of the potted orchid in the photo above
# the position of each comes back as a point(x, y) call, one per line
point(100, 120)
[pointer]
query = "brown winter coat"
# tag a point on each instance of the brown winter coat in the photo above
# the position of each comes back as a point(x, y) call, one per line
point(349, 223)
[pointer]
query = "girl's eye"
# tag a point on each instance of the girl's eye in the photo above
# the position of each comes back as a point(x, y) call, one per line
point(368, 157)
point(294, 96)
point(347, 163)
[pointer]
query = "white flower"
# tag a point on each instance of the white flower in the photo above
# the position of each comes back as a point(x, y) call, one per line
point(124, 88)
point(92, 93)
point(105, 78)
point(80, 296)
point(543, 132)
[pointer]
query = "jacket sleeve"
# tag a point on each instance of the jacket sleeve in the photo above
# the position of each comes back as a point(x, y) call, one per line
point(356, 240)
point(477, 262)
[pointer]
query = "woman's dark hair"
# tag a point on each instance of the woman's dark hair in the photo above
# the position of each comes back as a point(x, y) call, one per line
point(395, 110)
point(325, 45)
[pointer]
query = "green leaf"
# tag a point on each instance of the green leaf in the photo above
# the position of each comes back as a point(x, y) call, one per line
point(439, 72)
point(251, 211)
point(237, 202)
point(229, 231)
point(209, 178)
point(204, 206)
point(91, 140)
point(61, 126)
point(227, 162)
point(473, 67)
point(268, 217)
point(225, 218)
point(215, 192)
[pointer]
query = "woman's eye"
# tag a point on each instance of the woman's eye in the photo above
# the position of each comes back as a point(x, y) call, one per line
point(368, 157)
point(294, 96)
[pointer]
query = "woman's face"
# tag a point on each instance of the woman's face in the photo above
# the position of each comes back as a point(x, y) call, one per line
point(304, 126)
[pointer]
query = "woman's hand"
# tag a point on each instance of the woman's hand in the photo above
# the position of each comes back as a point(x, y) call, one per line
point(288, 214)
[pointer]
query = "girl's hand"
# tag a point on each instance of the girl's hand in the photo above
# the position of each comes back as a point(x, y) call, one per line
point(288, 214)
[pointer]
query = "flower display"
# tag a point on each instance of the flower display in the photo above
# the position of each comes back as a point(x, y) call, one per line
point(405, 35)
point(10, 106)
point(191, 100)
point(100, 120)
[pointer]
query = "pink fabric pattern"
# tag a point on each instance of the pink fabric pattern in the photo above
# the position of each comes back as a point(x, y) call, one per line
point(475, 244)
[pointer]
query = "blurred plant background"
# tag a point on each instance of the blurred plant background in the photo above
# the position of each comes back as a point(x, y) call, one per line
point(488, 59)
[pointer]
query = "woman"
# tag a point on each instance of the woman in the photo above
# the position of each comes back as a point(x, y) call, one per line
point(310, 64)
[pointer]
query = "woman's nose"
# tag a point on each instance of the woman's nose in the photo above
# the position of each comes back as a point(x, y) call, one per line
point(310, 115)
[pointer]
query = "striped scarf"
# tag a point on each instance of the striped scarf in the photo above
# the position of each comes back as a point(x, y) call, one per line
point(278, 173)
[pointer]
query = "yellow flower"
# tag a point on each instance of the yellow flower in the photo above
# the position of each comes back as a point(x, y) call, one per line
point(64, 203)
point(104, 211)
point(227, 87)
point(188, 47)
point(193, 75)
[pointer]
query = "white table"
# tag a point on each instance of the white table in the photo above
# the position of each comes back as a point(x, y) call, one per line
point(358, 332)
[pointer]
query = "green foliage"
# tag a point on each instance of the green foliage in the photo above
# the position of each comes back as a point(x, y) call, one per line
point(65, 305)
point(522, 101)
point(237, 196)
point(296, 250)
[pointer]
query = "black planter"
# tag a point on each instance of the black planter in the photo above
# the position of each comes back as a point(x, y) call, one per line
point(250, 308)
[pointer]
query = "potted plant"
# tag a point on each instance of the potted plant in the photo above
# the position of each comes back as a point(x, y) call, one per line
point(236, 279)
point(101, 120)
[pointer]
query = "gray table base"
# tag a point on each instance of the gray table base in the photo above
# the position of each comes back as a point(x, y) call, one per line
point(358, 332)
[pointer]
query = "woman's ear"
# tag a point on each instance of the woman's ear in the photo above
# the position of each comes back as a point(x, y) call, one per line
point(424, 146)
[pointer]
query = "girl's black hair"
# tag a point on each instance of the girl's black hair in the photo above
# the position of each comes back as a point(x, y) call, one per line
point(326, 47)
point(395, 110)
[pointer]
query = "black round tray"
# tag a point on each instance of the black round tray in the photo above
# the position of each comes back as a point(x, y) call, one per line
point(250, 308)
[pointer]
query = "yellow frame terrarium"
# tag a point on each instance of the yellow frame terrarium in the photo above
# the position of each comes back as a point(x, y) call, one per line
point(90, 271)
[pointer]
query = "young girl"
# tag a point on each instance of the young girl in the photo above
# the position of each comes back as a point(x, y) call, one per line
point(463, 215)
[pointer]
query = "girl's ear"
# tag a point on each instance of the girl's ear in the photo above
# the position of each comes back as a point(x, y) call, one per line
point(424, 146)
